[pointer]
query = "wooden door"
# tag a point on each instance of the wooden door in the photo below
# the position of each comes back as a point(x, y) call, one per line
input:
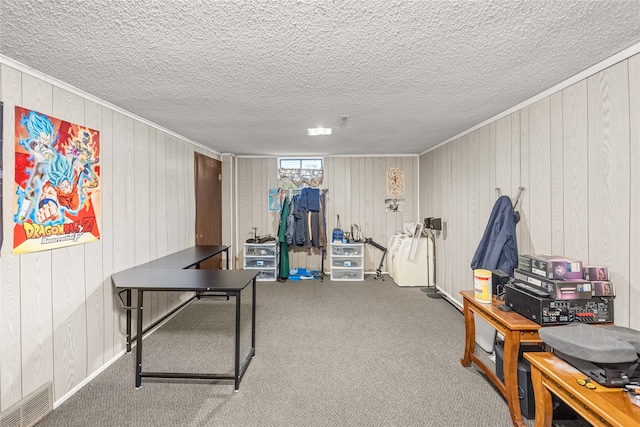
point(208, 206)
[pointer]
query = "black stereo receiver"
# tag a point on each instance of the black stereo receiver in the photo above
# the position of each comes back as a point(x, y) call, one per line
point(546, 311)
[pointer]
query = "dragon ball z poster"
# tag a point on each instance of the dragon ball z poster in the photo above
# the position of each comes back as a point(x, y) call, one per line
point(57, 180)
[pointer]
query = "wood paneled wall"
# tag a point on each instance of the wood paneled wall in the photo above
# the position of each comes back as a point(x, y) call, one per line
point(356, 191)
point(60, 319)
point(577, 153)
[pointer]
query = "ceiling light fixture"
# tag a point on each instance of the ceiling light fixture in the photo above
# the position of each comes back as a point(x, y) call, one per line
point(318, 131)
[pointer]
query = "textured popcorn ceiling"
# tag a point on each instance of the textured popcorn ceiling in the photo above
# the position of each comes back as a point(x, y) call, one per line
point(248, 77)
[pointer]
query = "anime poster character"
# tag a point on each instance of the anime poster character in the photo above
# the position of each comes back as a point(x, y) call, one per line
point(57, 178)
point(40, 136)
point(81, 150)
point(60, 191)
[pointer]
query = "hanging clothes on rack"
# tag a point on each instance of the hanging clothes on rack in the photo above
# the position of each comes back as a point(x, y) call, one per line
point(291, 220)
point(282, 238)
point(311, 198)
point(300, 221)
point(322, 224)
point(307, 226)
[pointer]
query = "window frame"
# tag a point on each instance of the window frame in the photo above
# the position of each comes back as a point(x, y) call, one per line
point(301, 161)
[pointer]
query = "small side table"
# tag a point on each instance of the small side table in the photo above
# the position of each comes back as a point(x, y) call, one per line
point(602, 406)
point(516, 329)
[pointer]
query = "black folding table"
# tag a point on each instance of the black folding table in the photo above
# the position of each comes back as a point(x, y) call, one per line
point(186, 258)
point(167, 276)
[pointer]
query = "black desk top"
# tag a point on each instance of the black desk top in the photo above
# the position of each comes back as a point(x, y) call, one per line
point(185, 258)
point(162, 279)
point(173, 273)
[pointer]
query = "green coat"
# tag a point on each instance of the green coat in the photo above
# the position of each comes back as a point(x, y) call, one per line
point(284, 248)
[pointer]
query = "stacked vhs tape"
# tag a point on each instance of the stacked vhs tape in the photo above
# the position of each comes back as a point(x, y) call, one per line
point(550, 289)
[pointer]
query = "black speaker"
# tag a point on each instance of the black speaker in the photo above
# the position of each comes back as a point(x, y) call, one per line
point(525, 388)
point(498, 279)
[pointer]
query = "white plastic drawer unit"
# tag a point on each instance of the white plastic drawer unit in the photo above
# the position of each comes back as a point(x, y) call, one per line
point(346, 249)
point(262, 257)
point(259, 250)
point(267, 275)
point(347, 262)
point(347, 274)
point(259, 262)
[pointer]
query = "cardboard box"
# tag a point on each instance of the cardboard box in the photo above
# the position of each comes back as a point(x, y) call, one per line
point(551, 266)
point(558, 289)
point(602, 288)
point(590, 272)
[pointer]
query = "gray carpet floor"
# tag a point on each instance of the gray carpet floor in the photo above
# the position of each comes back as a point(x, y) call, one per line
point(327, 354)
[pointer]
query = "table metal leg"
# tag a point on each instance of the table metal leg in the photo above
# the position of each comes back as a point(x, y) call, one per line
point(237, 350)
point(128, 304)
point(139, 341)
point(253, 317)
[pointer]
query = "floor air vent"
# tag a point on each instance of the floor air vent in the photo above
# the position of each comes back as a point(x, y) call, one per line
point(29, 410)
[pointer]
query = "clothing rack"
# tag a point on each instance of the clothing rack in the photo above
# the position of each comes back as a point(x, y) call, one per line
point(520, 190)
point(299, 190)
point(289, 194)
point(291, 191)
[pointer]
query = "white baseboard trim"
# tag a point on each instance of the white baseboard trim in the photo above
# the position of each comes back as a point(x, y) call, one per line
point(87, 380)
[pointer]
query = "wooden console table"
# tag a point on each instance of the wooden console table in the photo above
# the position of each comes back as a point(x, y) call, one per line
point(601, 406)
point(516, 329)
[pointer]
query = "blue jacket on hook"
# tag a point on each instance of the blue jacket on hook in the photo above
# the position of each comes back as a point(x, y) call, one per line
point(498, 248)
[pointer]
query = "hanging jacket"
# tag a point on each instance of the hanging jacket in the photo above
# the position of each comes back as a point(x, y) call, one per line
point(300, 216)
point(310, 199)
point(291, 222)
point(322, 233)
point(282, 238)
point(498, 248)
